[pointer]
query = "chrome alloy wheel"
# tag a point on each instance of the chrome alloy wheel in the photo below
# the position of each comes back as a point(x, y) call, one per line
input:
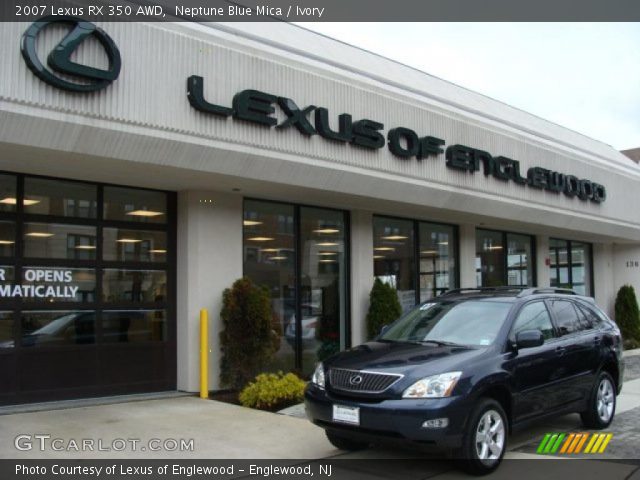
point(605, 400)
point(490, 436)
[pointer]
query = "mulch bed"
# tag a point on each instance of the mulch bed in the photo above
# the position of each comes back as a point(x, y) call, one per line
point(226, 396)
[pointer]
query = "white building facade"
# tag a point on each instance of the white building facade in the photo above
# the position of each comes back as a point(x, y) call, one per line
point(221, 150)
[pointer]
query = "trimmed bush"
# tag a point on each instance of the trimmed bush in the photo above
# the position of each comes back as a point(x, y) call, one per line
point(384, 307)
point(627, 315)
point(273, 391)
point(328, 325)
point(248, 339)
point(630, 344)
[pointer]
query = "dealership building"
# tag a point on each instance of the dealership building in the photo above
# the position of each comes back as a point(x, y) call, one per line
point(146, 166)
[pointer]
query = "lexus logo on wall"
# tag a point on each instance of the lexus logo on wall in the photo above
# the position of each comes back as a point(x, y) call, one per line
point(89, 79)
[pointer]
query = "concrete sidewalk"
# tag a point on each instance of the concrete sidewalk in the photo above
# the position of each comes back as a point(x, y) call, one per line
point(219, 431)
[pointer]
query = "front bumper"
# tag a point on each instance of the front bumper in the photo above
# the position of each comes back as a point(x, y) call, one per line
point(397, 420)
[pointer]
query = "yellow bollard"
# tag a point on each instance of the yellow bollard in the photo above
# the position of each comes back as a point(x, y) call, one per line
point(204, 353)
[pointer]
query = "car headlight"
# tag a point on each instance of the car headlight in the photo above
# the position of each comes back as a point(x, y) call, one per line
point(318, 376)
point(436, 386)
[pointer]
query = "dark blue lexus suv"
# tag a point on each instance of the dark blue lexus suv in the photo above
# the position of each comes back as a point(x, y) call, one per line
point(465, 369)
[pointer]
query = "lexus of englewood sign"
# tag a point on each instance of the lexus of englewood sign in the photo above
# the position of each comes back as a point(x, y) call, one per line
point(258, 107)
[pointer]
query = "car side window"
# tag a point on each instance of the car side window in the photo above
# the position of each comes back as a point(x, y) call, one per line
point(533, 316)
point(591, 318)
point(566, 317)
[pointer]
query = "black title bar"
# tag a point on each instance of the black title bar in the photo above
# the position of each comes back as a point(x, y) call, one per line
point(324, 10)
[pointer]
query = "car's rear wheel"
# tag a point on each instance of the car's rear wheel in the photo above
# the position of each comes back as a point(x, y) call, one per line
point(602, 403)
point(343, 443)
point(485, 439)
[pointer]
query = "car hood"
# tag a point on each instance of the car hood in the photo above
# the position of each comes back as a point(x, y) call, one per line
point(412, 360)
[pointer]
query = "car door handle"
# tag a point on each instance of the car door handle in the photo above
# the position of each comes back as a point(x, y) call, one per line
point(597, 340)
point(561, 350)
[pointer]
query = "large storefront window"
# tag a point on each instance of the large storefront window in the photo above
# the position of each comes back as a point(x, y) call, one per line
point(408, 253)
point(86, 282)
point(571, 265)
point(504, 259)
point(299, 253)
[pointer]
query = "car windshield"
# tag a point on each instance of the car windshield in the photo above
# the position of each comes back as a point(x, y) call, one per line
point(468, 322)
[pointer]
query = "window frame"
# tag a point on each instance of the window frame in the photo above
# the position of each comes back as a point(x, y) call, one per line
point(588, 257)
point(18, 261)
point(532, 263)
point(415, 225)
point(297, 268)
point(556, 335)
point(580, 329)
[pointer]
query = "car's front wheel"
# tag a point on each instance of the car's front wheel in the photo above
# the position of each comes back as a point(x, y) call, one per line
point(343, 443)
point(602, 403)
point(485, 439)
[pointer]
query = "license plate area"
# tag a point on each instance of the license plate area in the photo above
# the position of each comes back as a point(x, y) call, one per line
point(344, 414)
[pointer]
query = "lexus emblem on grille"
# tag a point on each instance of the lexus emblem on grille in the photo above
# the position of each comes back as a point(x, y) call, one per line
point(355, 380)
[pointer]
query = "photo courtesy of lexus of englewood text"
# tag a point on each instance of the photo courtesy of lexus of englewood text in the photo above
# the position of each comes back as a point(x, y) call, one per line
point(335, 240)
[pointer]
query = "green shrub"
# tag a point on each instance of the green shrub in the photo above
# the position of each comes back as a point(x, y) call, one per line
point(248, 339)
point(273, 391)
point(328, 324)
point(627, 315)
point(384, 307)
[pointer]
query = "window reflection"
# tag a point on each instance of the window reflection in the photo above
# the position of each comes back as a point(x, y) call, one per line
point(489, 259)
point(50, 240)
point(134, 326)
point(135, 205)
point(67, 220)
point(134, 285)
point(134, 245)
point(322, 285)
point(581, 267)
point(8, 193)
point(49, 328)
point(269, 259)
point(570, 265)
point(6, 274)
point(7, 239)
point(59, 197)
point(519, 267)
point(394, 257)
point(6, 330)
point(503, 259)
point(437, 259)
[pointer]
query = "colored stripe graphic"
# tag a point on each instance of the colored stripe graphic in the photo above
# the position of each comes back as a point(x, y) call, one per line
point(558, 442)
point(543, 443)
point(592, 441)
point(567, 442)
point(573, 443)
point(550, 443)
point(582, 442)
point(608, 438)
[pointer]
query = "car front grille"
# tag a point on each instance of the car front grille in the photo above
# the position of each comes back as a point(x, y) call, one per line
point(361, 381)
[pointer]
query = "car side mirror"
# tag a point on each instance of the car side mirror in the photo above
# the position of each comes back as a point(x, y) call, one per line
point(529, 339)
point(384, 329)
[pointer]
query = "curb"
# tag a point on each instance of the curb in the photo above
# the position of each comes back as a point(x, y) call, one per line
point(631, 353)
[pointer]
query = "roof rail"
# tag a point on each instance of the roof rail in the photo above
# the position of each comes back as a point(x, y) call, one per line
point(534, 291)
point(455, 291)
